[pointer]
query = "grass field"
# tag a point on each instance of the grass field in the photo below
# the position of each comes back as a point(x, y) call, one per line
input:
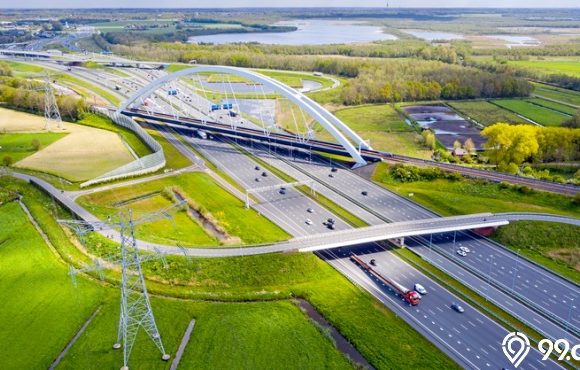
point(228, 210)
point(469, 196)
point(568, 66)
point(173, 157)
point(538, 114)
point(41, 309)
point(386, 130)
point(15, 121)
point(289, 117)
point(558, 94)
point(485, 113)
point(19, 146)
point(83, 154)
point(256, 277)
point(553, 105)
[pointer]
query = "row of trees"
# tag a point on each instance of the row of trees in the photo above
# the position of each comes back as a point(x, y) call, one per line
point(511, 145)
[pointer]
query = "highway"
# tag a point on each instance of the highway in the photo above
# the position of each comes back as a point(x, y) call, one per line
point(471, 338)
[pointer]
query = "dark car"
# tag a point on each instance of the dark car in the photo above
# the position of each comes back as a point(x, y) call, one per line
point(330, 175)
point(330, 220)
point(334, 169)
point(330, 226)
point(373, 262)
point(365, 193)
point(282, 191)
point(265, 174)
point(257, 168)
point(457, 308)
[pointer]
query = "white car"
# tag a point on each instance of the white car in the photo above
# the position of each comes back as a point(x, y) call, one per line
point(461, 252)
point(465, 249)
point(420, 289)
point(308, 221)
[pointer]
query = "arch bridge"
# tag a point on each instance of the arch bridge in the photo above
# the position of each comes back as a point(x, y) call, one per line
point(344, 135)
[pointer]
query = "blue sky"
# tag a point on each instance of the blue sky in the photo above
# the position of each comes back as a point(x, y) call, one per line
point(286, 3)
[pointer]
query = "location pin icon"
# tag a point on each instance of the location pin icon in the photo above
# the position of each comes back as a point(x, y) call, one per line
point(516, 347)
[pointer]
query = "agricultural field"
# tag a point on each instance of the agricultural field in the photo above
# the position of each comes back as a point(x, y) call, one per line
point(20, 146)
point(565, 96)
point(82, 154)
point(538, 114)
point(566, 109)
point(484, 112)
point(385, 128)
point(554, 65)
point(229, 211)
point(546, 243)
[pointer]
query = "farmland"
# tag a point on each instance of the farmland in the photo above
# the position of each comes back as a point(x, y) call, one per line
point(538, 114)
point(568, 66)
point(485, 113)
point(565, 96)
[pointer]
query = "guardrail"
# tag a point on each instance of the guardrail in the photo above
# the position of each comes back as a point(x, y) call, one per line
point(147, 164)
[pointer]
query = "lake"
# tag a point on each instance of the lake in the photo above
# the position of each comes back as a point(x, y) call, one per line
point(310, 32)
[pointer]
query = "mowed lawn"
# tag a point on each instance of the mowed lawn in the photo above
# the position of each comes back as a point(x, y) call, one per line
point(41, 310)
point(19, 146)
point(485, 113)
point(228, 210)
point(543, 116)
point(385, 128)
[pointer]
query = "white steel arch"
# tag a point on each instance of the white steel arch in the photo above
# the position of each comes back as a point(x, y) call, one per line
point(329, 122)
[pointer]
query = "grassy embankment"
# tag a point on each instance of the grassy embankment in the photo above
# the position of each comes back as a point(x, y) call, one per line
point(556, 246)
point(20, 146)
point(276, 276)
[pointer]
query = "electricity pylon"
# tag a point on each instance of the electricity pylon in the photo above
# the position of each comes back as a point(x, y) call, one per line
point(136, 311)
point(51, 112)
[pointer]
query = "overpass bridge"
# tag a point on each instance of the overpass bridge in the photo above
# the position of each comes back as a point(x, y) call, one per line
point(328, 240)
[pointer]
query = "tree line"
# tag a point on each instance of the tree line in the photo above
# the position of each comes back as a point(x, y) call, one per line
point(28, 95)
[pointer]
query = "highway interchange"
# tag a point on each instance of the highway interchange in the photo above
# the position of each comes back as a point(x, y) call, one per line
point(471, 338)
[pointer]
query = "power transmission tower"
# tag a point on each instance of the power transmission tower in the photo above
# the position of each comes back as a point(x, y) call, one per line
point(51, 112)
point(136, 311)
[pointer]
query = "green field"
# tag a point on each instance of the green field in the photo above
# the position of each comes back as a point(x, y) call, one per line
point(41, 309)
point(566, 109)
point(470, 196)
point(19, 146)
point(384, 127)
point(228, 210)
point(555, 93)
point(538, 114)
point(485, 113)
point(274, 276)
point(568, 66)
point(173, 157)
point(134, 141)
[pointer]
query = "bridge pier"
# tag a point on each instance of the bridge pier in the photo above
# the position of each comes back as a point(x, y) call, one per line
point(400, 242)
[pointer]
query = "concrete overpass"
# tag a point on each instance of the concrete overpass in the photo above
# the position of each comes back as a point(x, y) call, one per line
point(331, 239)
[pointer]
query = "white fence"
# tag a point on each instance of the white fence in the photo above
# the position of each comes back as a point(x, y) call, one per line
point(148, 164)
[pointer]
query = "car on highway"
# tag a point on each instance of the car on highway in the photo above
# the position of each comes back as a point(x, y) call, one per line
point(373, 262)
point(334, 169)
point(461, 252)
point(330, 226)
point(309, 210)
point(330, 175)
point(308, 221)
point(465, 249)
point(258, 179)
point(457, 307)
point(420, 289)
point(265, 174)
point(365, 193)
point(257, 168)
point(282, 191)
point(330, 220)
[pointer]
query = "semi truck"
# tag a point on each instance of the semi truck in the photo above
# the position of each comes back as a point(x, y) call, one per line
point(411, 297)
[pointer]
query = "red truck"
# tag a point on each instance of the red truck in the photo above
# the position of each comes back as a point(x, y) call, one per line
point(410, 296)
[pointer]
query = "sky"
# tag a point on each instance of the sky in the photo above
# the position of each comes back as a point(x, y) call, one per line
point(288, 3)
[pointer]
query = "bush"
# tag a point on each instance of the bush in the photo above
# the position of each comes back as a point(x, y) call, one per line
point(7, 161)
point(35, 144)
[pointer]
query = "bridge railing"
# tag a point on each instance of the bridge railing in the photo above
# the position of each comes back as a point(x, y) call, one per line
point(142, 166)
